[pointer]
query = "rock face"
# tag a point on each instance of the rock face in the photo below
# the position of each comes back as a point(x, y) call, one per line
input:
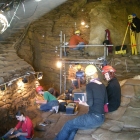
point(42, 42)
point(14, 94)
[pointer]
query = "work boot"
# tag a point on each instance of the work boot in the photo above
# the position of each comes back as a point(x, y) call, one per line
point(82, 51)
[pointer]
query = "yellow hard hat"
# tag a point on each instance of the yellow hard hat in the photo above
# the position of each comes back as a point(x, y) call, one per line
point(90, 70)
point(79, 67)
point(77, 32)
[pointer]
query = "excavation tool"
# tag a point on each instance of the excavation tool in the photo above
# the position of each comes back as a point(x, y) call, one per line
point(122, 49)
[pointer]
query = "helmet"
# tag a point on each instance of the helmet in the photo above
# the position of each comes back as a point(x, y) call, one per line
point(134, 15)
point(90, 70)
point(108, 68)
point(39, 88)
point(77, 32)
point(79, 67)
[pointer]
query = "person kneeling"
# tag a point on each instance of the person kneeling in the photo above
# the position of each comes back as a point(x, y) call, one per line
point(24, 129)
point(49, 103)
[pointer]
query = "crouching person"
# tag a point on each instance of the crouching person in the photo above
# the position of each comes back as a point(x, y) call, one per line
point(96, 98)
point(49, 103)
point(24, 129)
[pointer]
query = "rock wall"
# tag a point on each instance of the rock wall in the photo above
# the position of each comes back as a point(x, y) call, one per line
point(42, 42)
point(14, 94)
point(17, 96)
point(126, 66)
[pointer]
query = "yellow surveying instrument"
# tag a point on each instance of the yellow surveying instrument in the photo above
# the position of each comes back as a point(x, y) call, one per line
point(132, 39)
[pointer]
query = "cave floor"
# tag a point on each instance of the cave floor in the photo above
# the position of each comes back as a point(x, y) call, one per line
point(57, 120)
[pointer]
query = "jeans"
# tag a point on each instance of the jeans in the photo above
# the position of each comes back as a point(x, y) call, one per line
point(80, 46)
point(14, 133)
point(86, 121)
point(48, 106)
point(75, 81)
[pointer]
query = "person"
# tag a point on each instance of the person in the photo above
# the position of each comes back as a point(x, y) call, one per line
point(80, 77)
point(53, 92)
point(96, 98)
point(107, 40)
point(77, 42)
point(50, 102)
point(136, 27)
point(23, 130)
point(113, 88)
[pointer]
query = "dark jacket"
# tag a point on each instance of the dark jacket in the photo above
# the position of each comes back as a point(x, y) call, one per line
point(114, 94)
point(96, 97)
point(136, 22)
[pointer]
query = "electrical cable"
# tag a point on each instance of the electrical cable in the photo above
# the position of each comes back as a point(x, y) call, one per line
point(14, 13)
point(27, 74)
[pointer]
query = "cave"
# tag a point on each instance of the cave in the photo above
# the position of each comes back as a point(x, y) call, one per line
point(34, 38)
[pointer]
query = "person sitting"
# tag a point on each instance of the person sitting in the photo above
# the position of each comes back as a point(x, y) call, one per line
point(96, 98)
point(79, 78)
point(113, 88)
point(77, 42)
point(23, 130)
point(49, 103)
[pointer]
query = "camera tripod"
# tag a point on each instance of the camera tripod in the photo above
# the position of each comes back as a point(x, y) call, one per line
point(132, 37)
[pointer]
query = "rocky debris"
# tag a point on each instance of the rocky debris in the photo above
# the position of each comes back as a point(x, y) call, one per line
point(126, 67)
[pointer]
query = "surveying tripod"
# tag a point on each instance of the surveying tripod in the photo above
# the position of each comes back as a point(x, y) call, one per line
point(132, 36)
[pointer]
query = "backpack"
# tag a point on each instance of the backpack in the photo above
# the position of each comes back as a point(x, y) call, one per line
point(62, 106)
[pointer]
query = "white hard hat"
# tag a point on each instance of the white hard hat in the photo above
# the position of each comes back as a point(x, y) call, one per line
point(90, 70)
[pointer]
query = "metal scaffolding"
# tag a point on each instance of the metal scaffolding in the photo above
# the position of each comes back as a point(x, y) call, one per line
point(64, 61)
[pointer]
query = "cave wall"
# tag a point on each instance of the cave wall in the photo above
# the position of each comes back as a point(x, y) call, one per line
point(43, 37)
point(39, 49)
point(112, 16)
point(14, 94)
point(18, 96)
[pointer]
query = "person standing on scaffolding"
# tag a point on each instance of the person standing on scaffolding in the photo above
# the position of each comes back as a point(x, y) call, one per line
point(77, 42)
point(136, 27)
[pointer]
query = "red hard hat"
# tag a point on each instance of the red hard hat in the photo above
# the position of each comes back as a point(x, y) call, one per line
point(107, 68)
point(39, 88)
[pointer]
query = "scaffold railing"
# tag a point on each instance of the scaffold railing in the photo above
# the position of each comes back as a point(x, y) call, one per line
point(63, 47)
